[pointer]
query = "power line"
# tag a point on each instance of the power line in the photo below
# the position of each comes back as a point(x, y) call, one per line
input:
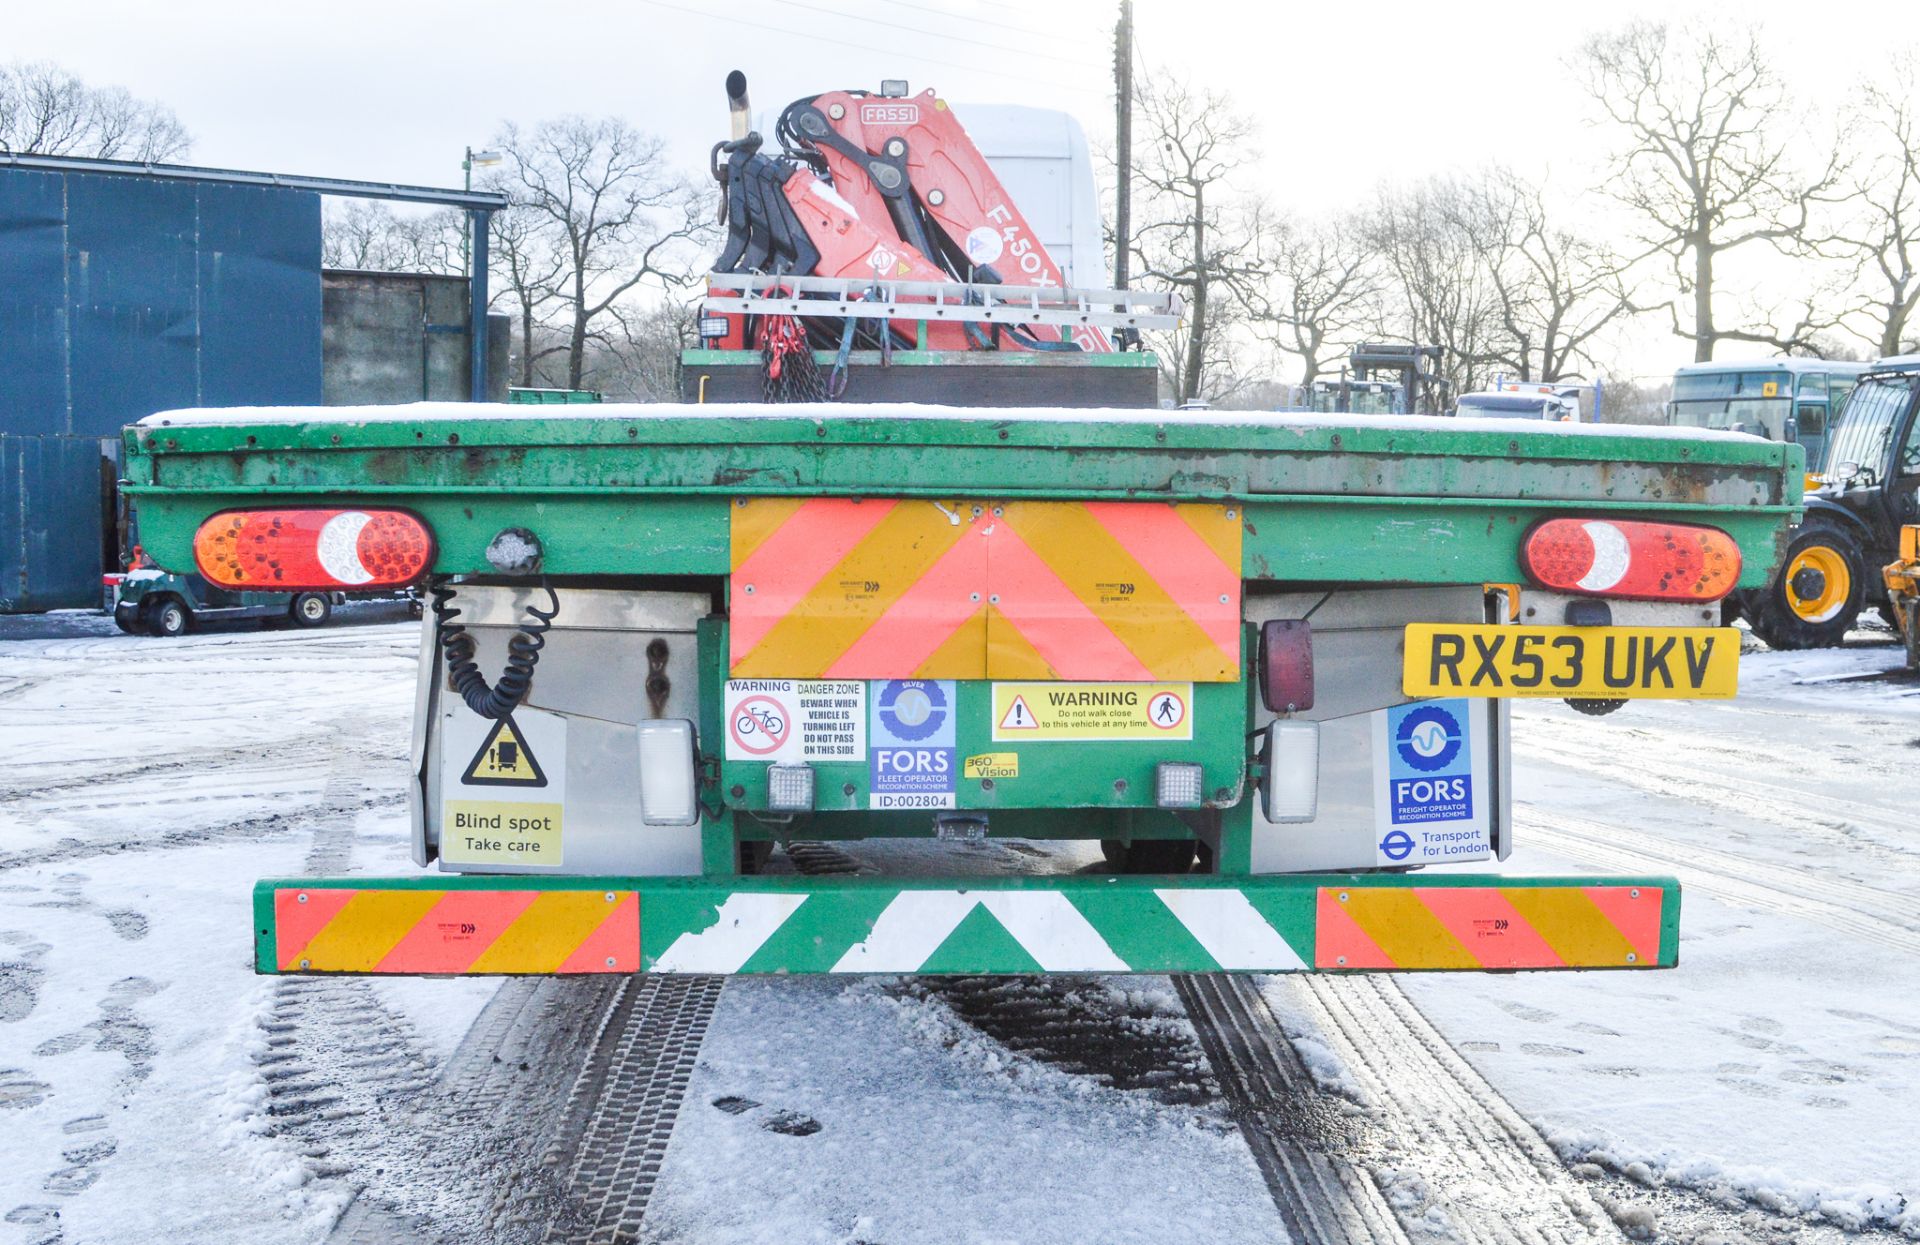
point(1003, 4)
point(732, 20)
point(935, 34)
point(937, 11)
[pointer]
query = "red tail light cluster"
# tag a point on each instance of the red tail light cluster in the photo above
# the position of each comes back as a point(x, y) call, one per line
point(293, 550)
point(1633, 559)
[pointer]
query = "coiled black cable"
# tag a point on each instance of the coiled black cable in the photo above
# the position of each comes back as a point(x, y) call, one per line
point(523, 653)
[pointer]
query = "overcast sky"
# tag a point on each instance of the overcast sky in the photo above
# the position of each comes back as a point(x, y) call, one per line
point(1346, 93)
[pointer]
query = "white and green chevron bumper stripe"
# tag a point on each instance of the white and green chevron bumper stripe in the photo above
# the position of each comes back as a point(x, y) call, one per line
point(991, 925)
point(970, 931)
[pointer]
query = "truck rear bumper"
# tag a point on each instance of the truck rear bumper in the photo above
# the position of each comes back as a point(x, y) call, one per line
point(453, 925)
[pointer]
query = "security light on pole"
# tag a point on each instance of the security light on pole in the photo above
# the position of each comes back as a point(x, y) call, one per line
point(483, 159)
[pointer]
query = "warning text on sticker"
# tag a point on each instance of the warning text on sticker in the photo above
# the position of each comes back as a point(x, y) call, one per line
point(1044, 712)
point(480, 832)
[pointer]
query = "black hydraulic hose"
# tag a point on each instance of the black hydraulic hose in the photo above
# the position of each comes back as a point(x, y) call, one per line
point(523, 654)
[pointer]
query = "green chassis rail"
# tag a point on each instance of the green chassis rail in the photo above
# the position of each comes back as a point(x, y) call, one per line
point(1076, 924)
point(647, 492)
point(625, 495)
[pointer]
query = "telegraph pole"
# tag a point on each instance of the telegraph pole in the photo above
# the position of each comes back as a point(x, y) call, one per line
point(1123, 143)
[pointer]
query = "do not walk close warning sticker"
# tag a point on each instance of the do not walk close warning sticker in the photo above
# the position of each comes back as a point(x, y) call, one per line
point(1084, 712)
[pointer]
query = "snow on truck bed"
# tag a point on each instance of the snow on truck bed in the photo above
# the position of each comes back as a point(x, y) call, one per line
point(1301, 420)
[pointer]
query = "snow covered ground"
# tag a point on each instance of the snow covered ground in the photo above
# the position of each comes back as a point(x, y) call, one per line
point(1780, 1062)
point(144, 785)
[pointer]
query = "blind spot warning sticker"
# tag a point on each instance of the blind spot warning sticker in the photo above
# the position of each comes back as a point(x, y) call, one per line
point(503, 788)
point(480, 832)
point(504, 760)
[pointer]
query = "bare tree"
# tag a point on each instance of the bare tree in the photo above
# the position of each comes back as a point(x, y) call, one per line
point(359, 233)
point(648, 351)
point(1885, 236)
point(1188, 231)
point(1706, 164)
point(1320, 294)
point(599, 200)
point(1637, 400)
point(529, 271)
point(1552, 292)
point(1440, 292)
point(45, 110)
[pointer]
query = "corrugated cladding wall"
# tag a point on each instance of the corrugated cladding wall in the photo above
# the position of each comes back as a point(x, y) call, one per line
point(121, 296)
point(51, 523)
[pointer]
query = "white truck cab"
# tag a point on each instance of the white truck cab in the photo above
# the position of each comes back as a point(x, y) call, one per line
point(1560, 402)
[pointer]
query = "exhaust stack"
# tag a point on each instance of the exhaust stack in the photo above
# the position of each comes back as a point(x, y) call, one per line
point(739, 114)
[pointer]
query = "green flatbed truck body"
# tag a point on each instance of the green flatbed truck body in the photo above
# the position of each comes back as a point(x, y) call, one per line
point(649, 493)
point(641, 516)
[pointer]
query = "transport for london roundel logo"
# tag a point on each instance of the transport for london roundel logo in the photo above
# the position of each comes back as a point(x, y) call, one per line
point(1428, 738)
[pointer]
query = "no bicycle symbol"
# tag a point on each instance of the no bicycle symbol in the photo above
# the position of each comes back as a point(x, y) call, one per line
point(760, 725)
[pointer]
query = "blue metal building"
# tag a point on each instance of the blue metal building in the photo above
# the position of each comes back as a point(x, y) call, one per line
point(130, 288)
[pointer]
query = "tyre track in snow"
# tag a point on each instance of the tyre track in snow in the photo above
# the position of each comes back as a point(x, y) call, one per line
point(1301, 1140)
point(563, 1095)
point(1422, 1151)
point(116, 806)
point(1460, 1164)
point(1854, 908)
point(181, 762)
point(420, 1154)
point(626, 1101)
point(1417, 1148)
point(328, 1054)
point(1643, 761)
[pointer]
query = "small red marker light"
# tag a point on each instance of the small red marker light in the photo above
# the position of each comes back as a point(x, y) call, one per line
point(1286, 665)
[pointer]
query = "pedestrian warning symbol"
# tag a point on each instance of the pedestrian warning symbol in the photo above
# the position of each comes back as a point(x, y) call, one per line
point(1018, 717)
point(1167, 710)
point(504, 760)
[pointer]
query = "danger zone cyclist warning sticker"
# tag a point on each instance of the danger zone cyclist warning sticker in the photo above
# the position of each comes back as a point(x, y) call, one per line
point(796, 720)
point(1043, 712)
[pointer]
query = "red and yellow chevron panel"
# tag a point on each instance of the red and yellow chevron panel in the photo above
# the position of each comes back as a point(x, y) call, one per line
point(1507, 927)
point(879, 589)
point(323, 930)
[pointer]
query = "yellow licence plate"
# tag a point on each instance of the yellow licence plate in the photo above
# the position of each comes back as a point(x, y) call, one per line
point(1611, 663)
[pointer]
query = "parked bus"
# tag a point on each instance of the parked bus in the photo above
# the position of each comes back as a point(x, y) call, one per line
point(1779, 399)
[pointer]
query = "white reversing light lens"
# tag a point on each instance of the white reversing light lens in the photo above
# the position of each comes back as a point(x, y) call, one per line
point(1177, 784)
point(667, 780)
point(1292, 788)
point(1611, 557)
point(790, 788)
